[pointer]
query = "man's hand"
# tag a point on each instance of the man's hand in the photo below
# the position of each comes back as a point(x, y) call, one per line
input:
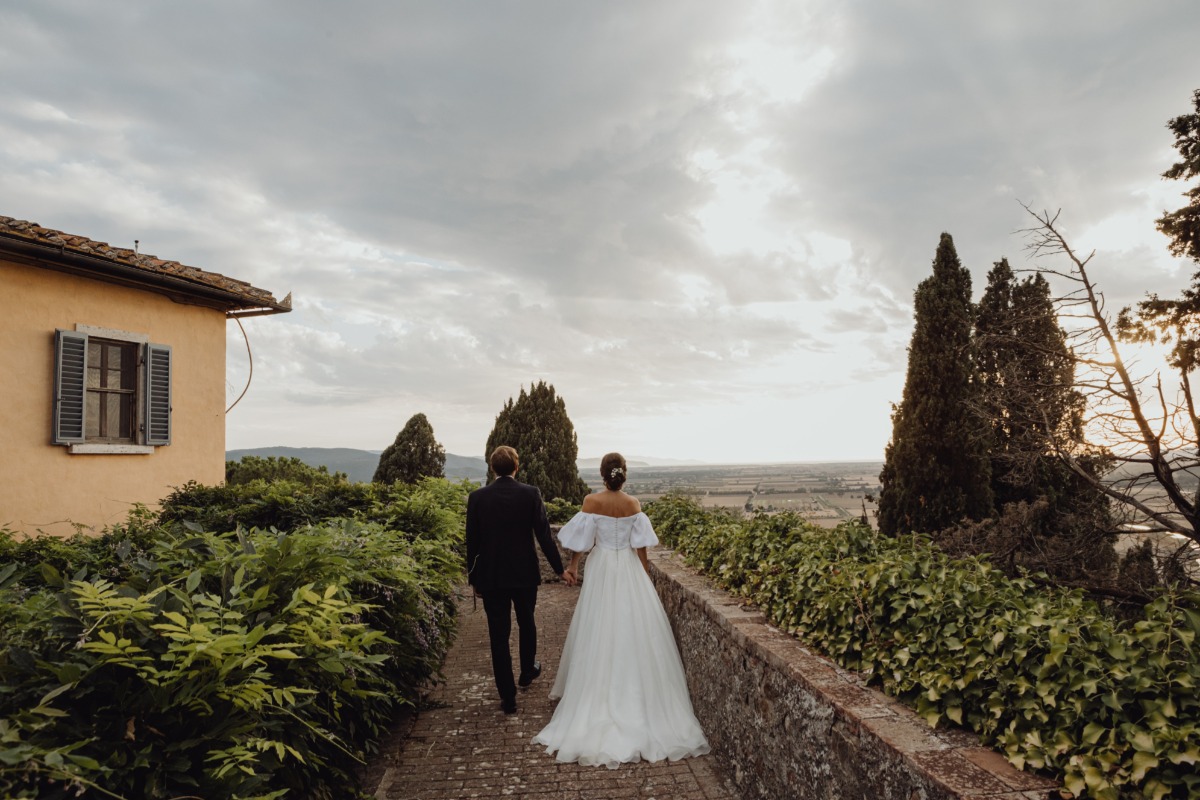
point(570, 577)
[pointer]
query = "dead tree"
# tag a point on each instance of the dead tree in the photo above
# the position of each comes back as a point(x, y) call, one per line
point(1151, 429)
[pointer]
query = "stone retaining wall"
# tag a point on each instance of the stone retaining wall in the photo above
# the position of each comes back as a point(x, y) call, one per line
point(784, 722)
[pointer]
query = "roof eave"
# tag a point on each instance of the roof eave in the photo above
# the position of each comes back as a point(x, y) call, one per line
point(180, 290)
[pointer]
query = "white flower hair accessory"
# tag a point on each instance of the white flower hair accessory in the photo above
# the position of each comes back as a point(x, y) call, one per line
point(615, 471)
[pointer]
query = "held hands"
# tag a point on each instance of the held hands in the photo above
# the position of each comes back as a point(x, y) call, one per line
point(571, 573)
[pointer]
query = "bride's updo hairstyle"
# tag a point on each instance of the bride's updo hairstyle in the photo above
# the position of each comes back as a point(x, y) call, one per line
point(612, 470)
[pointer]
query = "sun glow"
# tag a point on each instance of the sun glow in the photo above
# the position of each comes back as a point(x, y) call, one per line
point(1108, 420)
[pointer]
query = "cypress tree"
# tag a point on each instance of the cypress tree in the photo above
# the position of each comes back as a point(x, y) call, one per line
point(538, 427)
point(1028, 399)
point(995, 356)
point(414, 455)
point(1027, 377)
point(936, 469)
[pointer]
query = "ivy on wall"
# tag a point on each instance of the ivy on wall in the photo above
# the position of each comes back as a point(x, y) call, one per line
point(1111, 708)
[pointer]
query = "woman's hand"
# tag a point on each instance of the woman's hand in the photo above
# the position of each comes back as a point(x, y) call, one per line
point(573, 570)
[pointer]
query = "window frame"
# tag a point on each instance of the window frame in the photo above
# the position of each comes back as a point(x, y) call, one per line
point(108, 394)
point(151, 406)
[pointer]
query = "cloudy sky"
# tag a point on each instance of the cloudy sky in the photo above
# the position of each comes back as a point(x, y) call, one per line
point(702, 221)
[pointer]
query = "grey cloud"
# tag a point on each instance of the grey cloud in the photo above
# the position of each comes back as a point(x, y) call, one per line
point(924, 118)
point(544, 141)
point(854, 320)
point(466, 198)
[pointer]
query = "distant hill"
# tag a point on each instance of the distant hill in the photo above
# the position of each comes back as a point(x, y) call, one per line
point(471, 467)
point(359, 465)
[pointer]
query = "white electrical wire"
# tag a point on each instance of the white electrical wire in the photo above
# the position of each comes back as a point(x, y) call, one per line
point(250, 356)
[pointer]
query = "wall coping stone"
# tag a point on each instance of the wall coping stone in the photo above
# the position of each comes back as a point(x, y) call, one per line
point(785, 721)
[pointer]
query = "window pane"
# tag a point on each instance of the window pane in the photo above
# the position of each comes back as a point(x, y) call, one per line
point(92, 415)
point(93, 361)
point(129, 373)
point(112, 391)
point(112, 376)
point(112, 416)
point(126, 416)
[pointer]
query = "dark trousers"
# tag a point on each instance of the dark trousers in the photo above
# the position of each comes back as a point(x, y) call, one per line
point(498, 605)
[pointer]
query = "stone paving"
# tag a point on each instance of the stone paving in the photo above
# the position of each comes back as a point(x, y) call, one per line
point(462, 745)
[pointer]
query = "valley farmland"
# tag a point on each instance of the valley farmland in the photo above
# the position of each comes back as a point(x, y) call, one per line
point(825, 493)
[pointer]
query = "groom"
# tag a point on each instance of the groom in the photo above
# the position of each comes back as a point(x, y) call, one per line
point(502, 520)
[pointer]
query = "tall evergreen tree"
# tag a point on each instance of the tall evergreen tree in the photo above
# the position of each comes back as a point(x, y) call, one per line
point(995, 359)
point(538, 427)
point(1048, 518)
point(1027, 380)
point(1182, 226)
point(414, 455)
point(936, 469)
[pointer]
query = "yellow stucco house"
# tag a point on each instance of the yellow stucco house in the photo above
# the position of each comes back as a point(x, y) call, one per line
point(114, 377)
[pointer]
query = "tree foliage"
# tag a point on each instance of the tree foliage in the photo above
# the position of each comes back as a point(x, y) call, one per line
point(169, 660)
point(1176, 321)
point(1152, 432)
point(936, 469)
point(1109, 707)
point(1027, 382)
point(537, 426)
point(414, 455)
point(1008, 398)
point(1047, 518)
point(1182, 226)
point(1151, 426)
point(279, 468)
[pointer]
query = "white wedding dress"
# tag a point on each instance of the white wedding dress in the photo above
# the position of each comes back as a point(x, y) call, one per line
point(623, 693)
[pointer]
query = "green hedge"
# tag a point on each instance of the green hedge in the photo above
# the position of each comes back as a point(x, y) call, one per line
point(420, 509)
point(164, 659)
point(1110, 708)
point(560, 510)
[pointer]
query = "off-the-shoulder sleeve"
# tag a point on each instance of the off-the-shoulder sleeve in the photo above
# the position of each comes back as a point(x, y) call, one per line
point(578, 535)
point(643, 532)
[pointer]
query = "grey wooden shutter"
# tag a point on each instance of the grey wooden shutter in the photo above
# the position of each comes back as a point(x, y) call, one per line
point(70, 386)
point(157, 398)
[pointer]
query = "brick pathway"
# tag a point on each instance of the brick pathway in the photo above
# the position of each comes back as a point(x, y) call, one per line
point(464, 746)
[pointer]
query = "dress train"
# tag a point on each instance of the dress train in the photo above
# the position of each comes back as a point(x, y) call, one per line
point(621, 686)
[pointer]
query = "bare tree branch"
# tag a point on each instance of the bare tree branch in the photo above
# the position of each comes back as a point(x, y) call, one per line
point(1150, 434)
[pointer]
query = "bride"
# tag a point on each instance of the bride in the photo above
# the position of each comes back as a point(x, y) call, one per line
point(623, 693)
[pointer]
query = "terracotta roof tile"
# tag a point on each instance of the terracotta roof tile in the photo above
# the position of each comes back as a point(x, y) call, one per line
point(31, 231)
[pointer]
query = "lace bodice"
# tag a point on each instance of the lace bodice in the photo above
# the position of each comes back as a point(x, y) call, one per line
point(586, 531)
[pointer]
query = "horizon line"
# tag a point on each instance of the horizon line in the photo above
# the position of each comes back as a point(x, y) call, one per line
point(678, 462)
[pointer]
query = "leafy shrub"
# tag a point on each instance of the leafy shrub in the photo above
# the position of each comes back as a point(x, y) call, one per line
point(560, 510)
point(430, 507)
point(1069, 547)
point(282, 504)
point(279, 468)
point(1111, 708)
point(168, 660)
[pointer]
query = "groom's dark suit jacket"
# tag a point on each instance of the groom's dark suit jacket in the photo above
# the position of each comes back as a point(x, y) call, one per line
point(503, 518)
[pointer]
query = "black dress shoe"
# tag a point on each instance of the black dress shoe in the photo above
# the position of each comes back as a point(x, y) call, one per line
point(527, 677)
point(508, 706)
